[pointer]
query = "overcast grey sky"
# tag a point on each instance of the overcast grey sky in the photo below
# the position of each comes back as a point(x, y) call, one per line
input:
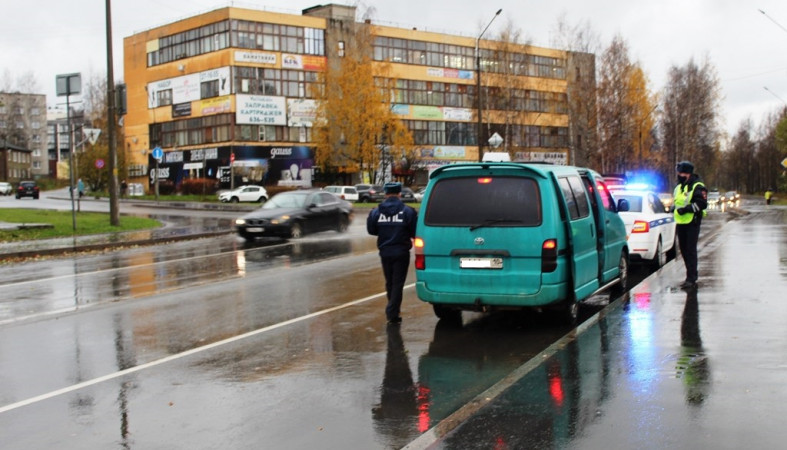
point(748, 48)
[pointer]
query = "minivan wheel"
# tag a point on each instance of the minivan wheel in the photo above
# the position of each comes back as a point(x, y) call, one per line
point(570, 312)
point(623, 269)
point(446, 313)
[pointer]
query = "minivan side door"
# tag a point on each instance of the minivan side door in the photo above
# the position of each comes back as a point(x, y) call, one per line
point(583, 250)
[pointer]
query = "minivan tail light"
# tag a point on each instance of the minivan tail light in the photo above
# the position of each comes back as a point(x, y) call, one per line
point(640, 226)
point(549, 255)
point(420, 258)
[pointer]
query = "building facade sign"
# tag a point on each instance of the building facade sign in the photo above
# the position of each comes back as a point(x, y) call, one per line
point(444, 152)
point(559, 158)
point(216, 105)
point(450, 73)
point(187, 88)
point(301, 112)
point(260, 110)
point(181, 109)
point(420, 112)
point(303, 62)
point(243, 56)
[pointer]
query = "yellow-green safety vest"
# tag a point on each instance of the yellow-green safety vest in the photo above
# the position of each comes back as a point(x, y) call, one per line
point(682, 197)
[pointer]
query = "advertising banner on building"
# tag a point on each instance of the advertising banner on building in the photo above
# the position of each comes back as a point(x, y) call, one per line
point(268, 59)
point(263, 165)
point(187, 88)
point(216, 105)
point(260, 110)
point(421, 112)
point(301, 112)
point(303, 62)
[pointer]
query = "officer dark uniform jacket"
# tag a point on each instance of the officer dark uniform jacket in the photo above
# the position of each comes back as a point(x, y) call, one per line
point(691, 201)
point(393, 223)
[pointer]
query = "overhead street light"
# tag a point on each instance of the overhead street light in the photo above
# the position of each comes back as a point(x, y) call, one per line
point(772, 20)
point(774, 94)
point(478, 83)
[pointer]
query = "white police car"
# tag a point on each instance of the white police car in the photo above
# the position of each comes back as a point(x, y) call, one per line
point(650, 227)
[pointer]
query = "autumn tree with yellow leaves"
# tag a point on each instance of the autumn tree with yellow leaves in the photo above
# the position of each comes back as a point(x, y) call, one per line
point(356, 129)
point(627, 111)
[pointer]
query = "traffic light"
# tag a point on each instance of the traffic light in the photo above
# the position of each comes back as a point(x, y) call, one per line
point(120, 99)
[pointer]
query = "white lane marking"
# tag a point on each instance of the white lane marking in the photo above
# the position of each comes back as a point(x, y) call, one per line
point(193, 351)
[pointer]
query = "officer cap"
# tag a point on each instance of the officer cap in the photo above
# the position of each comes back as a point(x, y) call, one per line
point(685, 167)
point(392, 187)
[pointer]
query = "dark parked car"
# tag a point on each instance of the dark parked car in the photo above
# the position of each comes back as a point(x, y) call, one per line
point(369, 193)
point(27, 189)
point(408, 195)
point(296, 213)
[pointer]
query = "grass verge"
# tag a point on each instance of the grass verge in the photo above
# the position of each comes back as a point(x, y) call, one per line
point(62, 224)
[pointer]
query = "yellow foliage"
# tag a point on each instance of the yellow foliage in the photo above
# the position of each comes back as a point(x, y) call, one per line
point(354, 111)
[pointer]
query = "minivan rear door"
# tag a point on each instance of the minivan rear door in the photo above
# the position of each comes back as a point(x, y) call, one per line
point(484, 235)
point(583, 240)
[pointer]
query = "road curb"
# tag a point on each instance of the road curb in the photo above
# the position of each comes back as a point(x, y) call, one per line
point(25, 254)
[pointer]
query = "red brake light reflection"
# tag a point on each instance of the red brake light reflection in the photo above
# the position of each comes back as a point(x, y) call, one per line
point(485, 180)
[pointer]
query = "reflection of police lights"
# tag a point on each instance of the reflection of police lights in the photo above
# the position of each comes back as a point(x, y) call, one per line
point(642, 300)
point(423, 408)
point(556, 385)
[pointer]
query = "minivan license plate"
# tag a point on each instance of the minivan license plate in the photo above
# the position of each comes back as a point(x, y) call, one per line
point(481, 263)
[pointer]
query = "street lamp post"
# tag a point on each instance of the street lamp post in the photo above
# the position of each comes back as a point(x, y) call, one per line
point(478, 82)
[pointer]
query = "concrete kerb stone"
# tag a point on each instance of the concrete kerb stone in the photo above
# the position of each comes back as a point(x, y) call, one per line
point(100, 246)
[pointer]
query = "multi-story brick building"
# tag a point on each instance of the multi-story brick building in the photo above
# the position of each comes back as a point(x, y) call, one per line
point(233, 87)
point(23, 126)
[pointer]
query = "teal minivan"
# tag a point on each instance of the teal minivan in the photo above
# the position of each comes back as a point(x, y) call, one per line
point(500, 235)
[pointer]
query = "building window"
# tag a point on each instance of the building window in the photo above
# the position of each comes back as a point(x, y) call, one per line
point(197, 41)
point(209, 89)
point(340, 48)
point(164, 98)
point(287, 83)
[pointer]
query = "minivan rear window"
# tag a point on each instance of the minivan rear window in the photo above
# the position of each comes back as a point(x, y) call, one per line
point(484, 201)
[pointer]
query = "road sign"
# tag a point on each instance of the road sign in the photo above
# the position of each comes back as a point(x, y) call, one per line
point(495, 140)
point(158, 153)
point(92, 134)
point(784, 163)
point(99, 164)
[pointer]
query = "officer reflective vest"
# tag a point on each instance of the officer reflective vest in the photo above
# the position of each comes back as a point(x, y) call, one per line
point(682, 197)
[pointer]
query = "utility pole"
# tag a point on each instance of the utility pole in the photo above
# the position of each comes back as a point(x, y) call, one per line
point(114, 213)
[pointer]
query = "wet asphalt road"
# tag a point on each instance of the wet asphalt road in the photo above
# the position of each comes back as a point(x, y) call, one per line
point(221, 344)
point(660, 368)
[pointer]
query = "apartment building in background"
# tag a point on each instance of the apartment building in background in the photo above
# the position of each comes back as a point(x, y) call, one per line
point(229, 92)
point(23, 133)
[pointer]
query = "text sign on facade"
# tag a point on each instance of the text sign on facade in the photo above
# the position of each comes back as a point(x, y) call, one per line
point(260, 110)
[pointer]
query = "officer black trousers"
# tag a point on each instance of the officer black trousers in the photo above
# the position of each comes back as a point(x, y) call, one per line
point(395, 271)
point(688, 236)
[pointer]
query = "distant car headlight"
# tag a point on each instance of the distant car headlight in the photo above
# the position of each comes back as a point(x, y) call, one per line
point(240, 221)
point(280, 220)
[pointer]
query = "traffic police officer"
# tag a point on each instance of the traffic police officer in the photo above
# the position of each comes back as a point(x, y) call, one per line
point(393, 223)
point(691, 200)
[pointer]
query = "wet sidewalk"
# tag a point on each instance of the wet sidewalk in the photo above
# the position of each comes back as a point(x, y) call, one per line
point(660, 368)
